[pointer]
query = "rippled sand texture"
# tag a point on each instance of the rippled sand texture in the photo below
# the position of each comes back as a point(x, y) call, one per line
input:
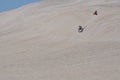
point(40, 41)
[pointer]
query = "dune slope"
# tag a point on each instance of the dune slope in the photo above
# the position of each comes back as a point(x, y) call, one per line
point(40, 41)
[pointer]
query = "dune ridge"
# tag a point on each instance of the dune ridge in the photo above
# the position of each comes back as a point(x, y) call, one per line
point(40, 41)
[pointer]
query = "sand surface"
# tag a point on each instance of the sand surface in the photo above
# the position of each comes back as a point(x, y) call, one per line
point(40, 41)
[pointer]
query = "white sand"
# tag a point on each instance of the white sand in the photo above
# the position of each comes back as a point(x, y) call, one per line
point(40, 41)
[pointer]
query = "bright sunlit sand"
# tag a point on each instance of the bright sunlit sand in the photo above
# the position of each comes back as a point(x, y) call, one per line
point(41, 41)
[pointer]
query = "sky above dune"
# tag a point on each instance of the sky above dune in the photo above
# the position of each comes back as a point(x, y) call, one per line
point(6, 5)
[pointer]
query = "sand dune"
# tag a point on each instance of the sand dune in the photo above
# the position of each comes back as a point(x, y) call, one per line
point(40, 41)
